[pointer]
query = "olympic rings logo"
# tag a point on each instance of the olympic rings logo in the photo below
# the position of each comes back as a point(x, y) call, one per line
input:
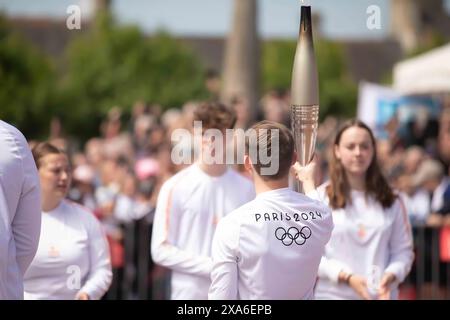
point(291, 235)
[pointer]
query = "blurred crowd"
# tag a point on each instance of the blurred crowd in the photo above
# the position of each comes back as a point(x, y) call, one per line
point(118, 174)
point(415, 157)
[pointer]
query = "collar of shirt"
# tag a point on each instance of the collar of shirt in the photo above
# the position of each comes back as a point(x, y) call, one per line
point(272, 192)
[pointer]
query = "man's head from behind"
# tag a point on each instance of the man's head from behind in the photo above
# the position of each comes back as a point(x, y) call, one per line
point(269, 150)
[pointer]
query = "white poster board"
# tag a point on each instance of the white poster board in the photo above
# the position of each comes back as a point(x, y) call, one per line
point(376, 105)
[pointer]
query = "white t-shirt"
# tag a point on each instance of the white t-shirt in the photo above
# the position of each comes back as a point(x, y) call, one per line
point(20, 213)
point(367, 240)
point(73, 256)
point(189, 206)
point(270, 248)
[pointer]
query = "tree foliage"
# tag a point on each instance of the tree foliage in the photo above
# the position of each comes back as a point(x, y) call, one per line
point(337, 91)
point(117, 65)
point(26, 83)
point(106, 66)
point(111, 65)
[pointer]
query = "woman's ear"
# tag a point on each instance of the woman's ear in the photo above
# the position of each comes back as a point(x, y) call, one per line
point(337, 154)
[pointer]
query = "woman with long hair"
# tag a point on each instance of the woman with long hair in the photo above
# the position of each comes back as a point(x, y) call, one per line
point(72, 260)
point(370, 251)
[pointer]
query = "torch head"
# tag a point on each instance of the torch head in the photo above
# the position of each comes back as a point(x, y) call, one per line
point(305, 19)
point(305, 86)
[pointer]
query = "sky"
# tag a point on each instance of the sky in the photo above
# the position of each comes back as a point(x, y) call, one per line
point(344, 19)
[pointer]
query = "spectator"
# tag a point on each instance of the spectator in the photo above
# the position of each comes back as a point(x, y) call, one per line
point(371, 250)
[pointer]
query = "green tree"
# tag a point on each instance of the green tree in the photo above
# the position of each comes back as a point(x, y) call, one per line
point(26, 84)
point(115, 65)
point(277, 60)
point(337, 91)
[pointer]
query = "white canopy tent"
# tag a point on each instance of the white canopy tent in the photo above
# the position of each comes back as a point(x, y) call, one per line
point(428, 73)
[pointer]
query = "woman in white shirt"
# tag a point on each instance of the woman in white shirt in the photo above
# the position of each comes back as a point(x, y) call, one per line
point(370, 250)
point(72, 261)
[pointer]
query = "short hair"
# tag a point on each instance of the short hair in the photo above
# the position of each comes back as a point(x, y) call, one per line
point(286, 145)
point(215, 115)
point(42, 149)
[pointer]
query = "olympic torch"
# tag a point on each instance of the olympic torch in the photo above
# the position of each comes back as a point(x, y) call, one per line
point(305, 92)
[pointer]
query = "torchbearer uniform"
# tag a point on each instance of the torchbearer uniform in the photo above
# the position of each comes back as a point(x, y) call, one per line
point(189, 206)
point(20, 211)
point(367, 240)
point(72, 257)
point(270, 248)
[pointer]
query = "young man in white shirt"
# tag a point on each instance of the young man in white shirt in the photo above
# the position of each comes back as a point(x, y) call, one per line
point(189, 206)
point(270, 248)
point(20, 213)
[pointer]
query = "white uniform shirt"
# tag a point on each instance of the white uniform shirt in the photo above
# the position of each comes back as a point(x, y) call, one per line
point(189, 206)
point(73, 256)
point(437, 200)
point(367, 240)
point(417, 205)
point(20, 213)
point(270, 248)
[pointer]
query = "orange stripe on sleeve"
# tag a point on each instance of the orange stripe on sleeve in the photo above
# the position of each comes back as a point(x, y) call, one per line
point(168, 208)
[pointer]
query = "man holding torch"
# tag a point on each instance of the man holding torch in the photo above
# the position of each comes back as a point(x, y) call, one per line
point(271, 247)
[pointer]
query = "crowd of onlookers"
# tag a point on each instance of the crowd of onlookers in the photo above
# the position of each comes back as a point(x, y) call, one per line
point(118, 174)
